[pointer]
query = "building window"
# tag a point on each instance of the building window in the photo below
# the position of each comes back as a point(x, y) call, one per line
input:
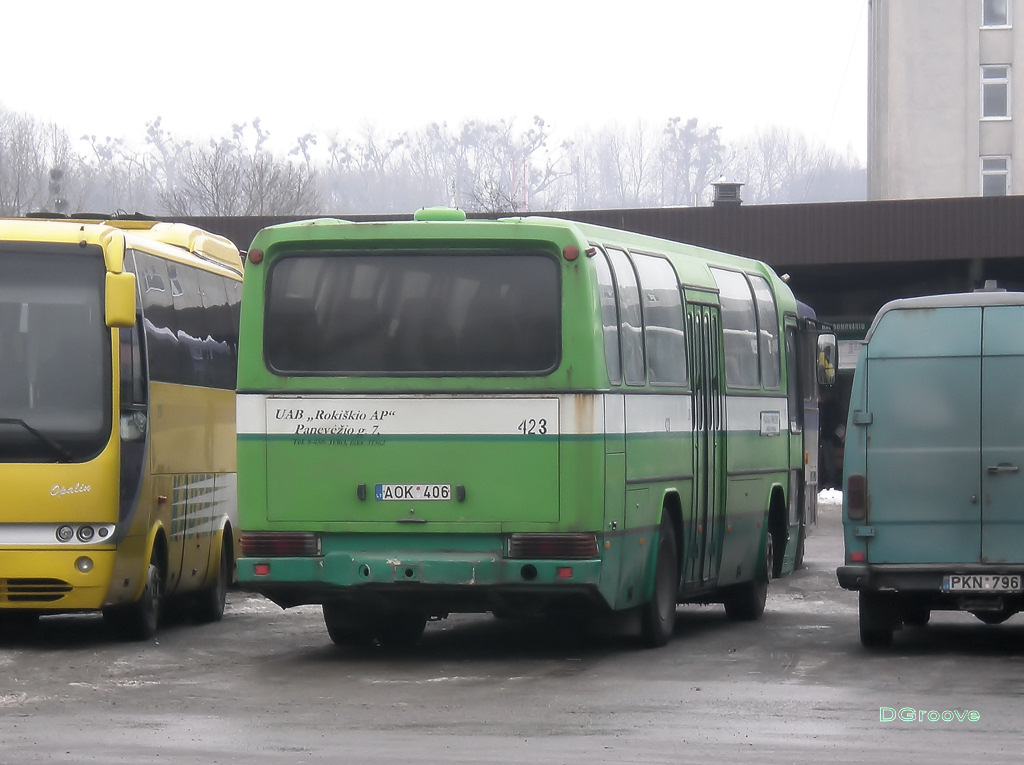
point(995, 92)
point(995, 13)
point(995, 176)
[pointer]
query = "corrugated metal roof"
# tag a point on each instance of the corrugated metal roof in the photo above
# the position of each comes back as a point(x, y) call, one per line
point(899, 231)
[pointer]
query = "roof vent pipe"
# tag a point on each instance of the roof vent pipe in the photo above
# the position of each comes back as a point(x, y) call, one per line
point(727, 193)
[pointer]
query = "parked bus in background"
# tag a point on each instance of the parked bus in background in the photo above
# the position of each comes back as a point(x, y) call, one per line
point(118, 341)
point(525, 416)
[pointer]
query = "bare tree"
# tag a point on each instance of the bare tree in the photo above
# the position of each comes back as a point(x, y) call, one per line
point(27, 154)
point(779, 165)
point(225, 177)
point(691, 159)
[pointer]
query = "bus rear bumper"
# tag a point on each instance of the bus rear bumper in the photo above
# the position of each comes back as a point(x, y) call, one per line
point(55, 581)
point(449, 582)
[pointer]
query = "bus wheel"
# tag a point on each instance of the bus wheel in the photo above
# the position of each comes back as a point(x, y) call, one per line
point(658, 615)
point(801, 547)
point(15, 621)
point(345, 627)
point(139, 620)
point(400, 630)
point(208, 605)
point(746, 602)
point(993, 617)
point(876, 620)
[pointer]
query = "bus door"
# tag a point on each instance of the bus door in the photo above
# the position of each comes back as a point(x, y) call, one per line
point(705, 526)
point(801, 443)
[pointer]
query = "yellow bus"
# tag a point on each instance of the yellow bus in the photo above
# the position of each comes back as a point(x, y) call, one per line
point(118, 352)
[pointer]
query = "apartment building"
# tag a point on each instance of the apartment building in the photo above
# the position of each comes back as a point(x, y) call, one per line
point(945, 103)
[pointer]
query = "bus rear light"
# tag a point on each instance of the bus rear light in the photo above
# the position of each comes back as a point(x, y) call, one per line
point(564, 572)
point(571, 252)
point(261, 569)
point(856, 497)
point(857, 557)
point(254, 256)
point(552, 546)
point(280, 544)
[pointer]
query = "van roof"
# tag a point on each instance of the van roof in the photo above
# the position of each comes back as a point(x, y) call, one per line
point(981, 298)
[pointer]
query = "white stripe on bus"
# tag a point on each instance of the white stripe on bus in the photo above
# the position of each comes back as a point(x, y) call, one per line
point(566, 414)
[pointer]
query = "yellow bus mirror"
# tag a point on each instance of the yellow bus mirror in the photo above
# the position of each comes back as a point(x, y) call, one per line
point(120, 300)
point(828, 359)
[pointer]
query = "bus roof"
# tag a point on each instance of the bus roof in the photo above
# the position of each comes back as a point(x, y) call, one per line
point(432, 224)
point(176, 240)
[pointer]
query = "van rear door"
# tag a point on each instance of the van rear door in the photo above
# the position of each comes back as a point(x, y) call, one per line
point(1002, 436)
point(923, 375)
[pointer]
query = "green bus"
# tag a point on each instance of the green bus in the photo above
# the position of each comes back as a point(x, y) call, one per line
point(524, 416)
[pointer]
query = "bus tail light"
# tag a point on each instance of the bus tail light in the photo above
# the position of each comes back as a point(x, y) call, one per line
point(552, 546)
point(856, 497)
point(280, 544)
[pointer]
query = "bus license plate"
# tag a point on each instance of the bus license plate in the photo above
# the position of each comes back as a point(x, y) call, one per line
point(408, 491)
point(981, 583)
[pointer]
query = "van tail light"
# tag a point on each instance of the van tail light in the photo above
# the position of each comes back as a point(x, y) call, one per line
point(856, 497)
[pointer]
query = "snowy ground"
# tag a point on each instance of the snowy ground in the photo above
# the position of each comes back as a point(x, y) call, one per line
point(830, 499)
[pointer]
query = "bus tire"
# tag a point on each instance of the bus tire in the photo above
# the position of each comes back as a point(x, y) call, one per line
point(208, 605)
point(801, 548)
point(746, 602)
point(658, 615)
point(345, 627)
point(139, 621)
point(400, 630)
point(876, 620)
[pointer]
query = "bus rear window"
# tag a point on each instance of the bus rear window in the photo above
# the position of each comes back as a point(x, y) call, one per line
point(429, 313)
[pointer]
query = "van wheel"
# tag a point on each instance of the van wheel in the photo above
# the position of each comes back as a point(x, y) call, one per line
point(917, 616)
point(208, 605)
point(658, 615)
point(876, 620)
point(747, 601)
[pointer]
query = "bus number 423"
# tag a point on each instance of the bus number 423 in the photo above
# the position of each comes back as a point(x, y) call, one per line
point(533, 427)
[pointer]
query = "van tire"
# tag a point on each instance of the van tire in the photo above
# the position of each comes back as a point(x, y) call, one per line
point(877, 620)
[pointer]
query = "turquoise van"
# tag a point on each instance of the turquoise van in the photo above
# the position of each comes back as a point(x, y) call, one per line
point(933, 506)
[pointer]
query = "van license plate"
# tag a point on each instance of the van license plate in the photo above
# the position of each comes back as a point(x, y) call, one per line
point(981, 583)
point(408, 491)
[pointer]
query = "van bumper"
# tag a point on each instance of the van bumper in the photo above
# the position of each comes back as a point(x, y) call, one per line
point(913, 577)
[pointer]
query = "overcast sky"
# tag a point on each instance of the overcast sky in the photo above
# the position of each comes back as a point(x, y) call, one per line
point(108, 67)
